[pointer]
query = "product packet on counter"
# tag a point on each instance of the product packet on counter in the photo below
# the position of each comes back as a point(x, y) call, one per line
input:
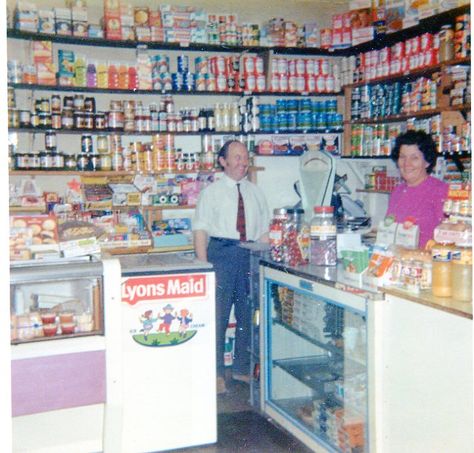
point(78, 238)
point(33, 237)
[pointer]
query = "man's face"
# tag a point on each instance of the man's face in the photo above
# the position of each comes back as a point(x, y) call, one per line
point(237, 162)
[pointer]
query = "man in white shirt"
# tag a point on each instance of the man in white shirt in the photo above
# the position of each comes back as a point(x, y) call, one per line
point(230, 211)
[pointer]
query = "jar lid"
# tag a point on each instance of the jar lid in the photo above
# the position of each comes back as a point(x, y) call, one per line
point(295, 211)
point(320, 209)
point(280, 211)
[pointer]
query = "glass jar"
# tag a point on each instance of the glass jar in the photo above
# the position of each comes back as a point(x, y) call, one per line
point(462, 272)
point(295, 247)
point(276, 234)
point(441, 285)
point(446, 43)
point(323, 235)
point(67, 118)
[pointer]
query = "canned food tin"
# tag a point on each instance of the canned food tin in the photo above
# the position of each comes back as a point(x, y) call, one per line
point(283, 83)
point(201, 65)
point(183, 63)
point(24, 118)
point(260, 83)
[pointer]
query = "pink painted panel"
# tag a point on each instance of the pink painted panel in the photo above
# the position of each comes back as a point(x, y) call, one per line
point(58, 382)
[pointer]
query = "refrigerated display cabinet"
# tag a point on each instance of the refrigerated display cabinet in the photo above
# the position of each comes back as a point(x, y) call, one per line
point(315, 371)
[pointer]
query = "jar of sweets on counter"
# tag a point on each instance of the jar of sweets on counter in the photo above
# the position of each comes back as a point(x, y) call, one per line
point(323, 237)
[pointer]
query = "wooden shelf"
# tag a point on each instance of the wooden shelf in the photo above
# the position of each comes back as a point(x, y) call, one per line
point(430, 24)
point(60, 88)
point(406, 116)
point(415, 73)
point(38, 209)
point(115, 173)
point(41, 130)
point(133, 44)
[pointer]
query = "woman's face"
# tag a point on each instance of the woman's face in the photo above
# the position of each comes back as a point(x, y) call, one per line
point(412, 165)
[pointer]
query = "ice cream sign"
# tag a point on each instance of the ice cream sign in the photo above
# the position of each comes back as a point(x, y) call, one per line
point(156, 287)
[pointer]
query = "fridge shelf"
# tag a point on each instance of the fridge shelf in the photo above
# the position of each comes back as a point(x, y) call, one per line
point(313, 371)
point(332, 349)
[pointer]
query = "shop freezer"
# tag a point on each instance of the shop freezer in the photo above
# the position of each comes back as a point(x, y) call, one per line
point(168, 353)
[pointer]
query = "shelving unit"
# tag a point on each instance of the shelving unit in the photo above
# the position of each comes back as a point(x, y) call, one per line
point(156, 45)
point(77, 89)
point(38, 130)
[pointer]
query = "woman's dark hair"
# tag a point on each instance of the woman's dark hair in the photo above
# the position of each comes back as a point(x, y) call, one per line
point(424, 142)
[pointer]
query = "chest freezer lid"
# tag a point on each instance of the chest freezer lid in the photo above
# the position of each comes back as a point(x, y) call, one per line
point(158, 263)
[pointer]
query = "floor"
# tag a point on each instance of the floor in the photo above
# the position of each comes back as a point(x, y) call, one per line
point(242, 429)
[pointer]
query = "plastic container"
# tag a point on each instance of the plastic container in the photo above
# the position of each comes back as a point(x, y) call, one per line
point(441, 285)
point(462, 272)
point(323, 235)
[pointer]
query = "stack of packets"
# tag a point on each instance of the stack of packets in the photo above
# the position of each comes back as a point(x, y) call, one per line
point(33, 237)
point(172, 233)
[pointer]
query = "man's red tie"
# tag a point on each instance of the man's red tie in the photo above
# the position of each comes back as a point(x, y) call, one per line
point(241, 216)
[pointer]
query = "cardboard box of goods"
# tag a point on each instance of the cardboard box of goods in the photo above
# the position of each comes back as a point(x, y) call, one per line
point(42, 51)
point(79, 13)
point(46, 21)
point(79, 28)
point(360, 35)
point(127, 20)
point(112, 25)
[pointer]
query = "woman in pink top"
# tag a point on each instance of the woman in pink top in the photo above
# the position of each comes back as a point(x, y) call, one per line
point(420, 196)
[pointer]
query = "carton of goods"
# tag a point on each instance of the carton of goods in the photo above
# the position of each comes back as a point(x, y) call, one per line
point(42, 51)
point(63, 21)
point(46, 22)
point(172, 233)
point(42, 229)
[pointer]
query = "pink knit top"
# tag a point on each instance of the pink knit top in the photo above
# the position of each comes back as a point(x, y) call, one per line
point(423, 202)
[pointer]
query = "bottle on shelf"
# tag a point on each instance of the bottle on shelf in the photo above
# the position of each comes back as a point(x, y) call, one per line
point(102, 75)
point(123, 76)
point(91, 75)
point(112, 76)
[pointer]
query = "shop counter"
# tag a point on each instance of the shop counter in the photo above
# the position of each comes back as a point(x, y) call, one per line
point(418, 359)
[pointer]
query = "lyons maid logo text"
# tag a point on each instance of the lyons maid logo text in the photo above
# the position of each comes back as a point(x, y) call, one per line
point(137, 289)
point(169, 321)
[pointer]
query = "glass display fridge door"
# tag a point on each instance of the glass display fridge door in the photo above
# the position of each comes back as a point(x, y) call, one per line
point(315, 349)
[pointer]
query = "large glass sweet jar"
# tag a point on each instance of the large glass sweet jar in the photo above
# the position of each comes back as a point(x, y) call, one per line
point(295, 238)
point(323, 235)
point(462, 271)
point(277, 226)
point(441, 255)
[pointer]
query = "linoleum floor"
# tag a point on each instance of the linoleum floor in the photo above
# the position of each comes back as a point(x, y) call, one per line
point(242, 429)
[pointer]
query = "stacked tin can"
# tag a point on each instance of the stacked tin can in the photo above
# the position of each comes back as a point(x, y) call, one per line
point(462, 36)
point(304, 75)
point(299, 115)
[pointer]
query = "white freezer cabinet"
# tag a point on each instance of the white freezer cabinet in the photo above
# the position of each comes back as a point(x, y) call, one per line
point(314, 355)
point(56, 301)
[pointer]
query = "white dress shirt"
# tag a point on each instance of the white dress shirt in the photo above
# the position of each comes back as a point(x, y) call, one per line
point(216, 210)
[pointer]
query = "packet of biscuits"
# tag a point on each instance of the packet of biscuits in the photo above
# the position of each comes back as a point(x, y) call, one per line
point(44, 228)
